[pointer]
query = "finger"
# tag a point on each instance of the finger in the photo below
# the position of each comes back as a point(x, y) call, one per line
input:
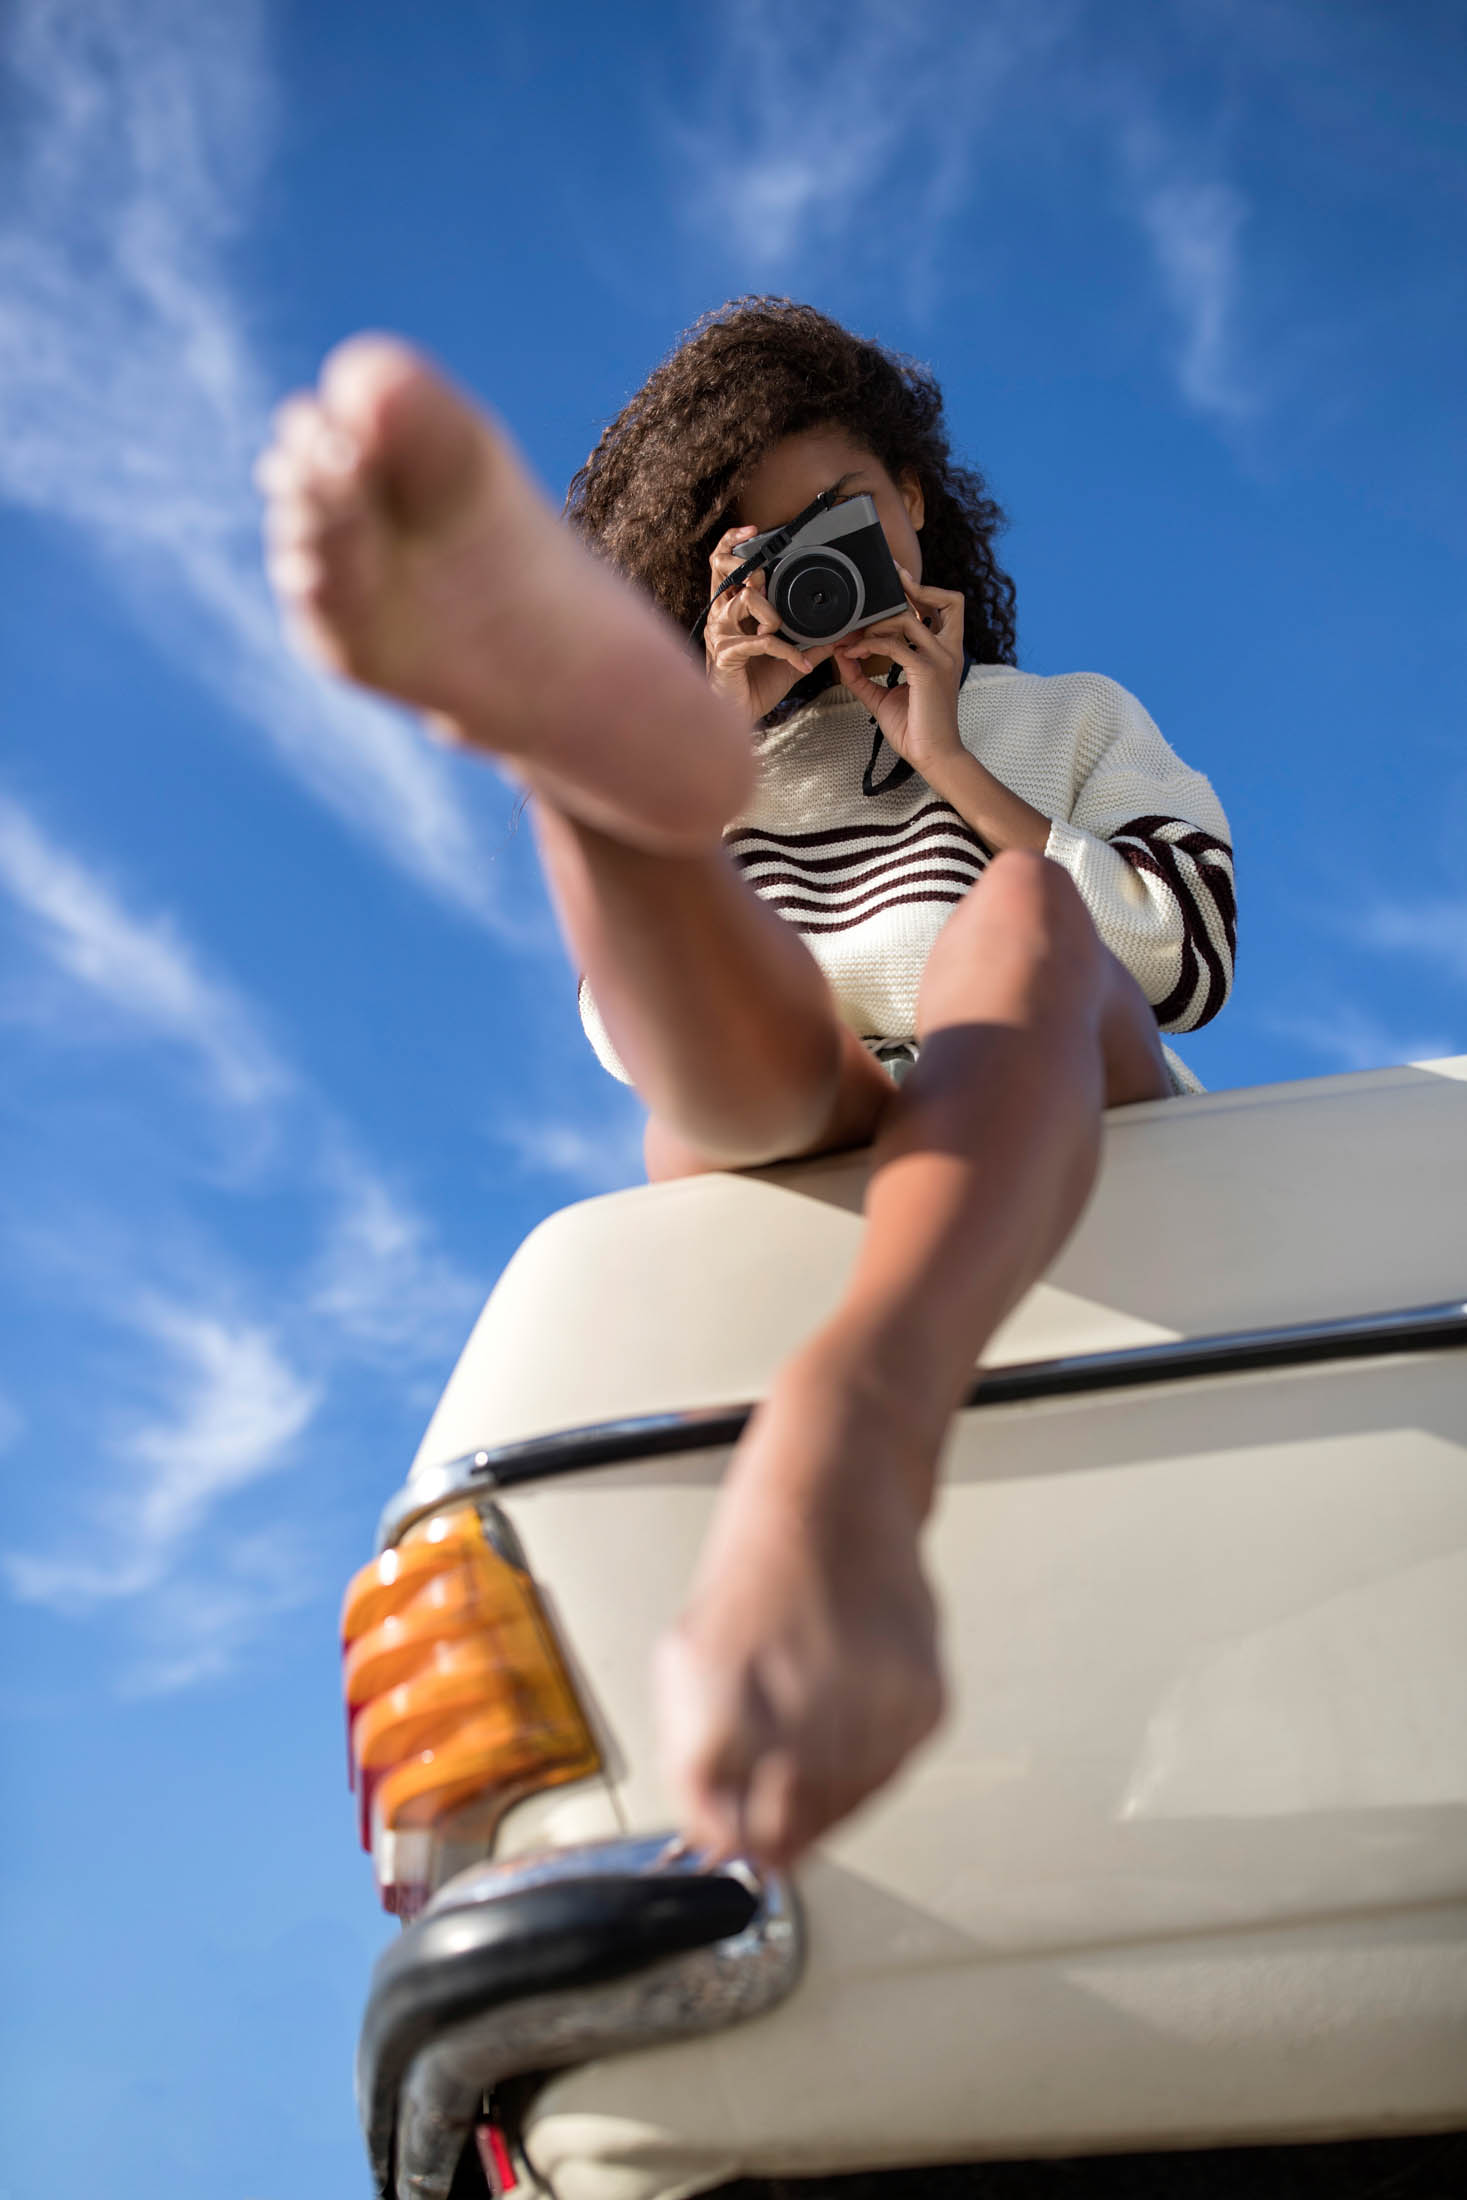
point(762, 645)
point(725, 551)
point(861, 686)
point(909, 630)
point(772, 1812)
point(757, 605)
point(900, 652)
point(923, 594)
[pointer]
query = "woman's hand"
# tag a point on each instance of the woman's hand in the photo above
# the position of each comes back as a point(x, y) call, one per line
point(919, 719)
point(748, 661)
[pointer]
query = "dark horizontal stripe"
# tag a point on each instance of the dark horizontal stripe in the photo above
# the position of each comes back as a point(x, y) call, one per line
point(863, 831)
point(1437, 1328)
point(774, 850)
point(844, 893)
point(806, 925)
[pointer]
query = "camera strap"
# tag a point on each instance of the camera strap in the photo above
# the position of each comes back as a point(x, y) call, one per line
point(768, 553)
point(901, 771)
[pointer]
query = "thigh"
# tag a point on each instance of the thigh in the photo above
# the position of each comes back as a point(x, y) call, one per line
point(864, 1094)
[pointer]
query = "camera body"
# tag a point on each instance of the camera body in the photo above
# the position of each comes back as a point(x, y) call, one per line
point(832, 575)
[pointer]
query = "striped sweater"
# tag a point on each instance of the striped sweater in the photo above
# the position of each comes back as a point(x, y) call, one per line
point(869, 881)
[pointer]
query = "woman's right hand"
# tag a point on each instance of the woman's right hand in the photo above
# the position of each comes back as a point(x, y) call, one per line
point(748, 660)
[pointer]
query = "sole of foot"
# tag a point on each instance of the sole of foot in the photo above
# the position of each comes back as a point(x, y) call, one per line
point(412, 553)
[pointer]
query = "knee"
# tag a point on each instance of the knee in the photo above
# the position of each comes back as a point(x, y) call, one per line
point(1038, 901)
point(1023, 932)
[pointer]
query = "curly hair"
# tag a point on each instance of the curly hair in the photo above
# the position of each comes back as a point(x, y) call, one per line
point(655, 494)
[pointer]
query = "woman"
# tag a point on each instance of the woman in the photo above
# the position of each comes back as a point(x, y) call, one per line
point(769, 906)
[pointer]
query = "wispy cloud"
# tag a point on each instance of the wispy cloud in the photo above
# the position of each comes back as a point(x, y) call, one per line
point(380, 1282)
point(604, 1157)
point(224, 1370)
point(132, 400)
point(198, 1628)
point(1351, 1038)
point(1433, 932)
point(229, 1410)
point(1193, 222)
point(140, 967)
point(817, 123)
point(848, 124)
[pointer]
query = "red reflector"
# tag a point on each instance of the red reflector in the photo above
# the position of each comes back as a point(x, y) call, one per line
point(495, 2162)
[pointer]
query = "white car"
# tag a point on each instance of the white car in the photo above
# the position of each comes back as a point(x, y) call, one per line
point(1187, 1866)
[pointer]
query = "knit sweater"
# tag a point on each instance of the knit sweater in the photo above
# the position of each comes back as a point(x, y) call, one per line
point(869, 881)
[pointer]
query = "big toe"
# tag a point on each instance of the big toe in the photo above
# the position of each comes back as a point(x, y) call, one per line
point(422, 438)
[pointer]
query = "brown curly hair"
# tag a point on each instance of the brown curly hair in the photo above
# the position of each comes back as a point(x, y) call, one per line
point(655, 494)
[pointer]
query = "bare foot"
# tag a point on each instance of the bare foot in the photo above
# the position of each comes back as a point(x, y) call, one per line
point(805, 1669)
point(412, 553)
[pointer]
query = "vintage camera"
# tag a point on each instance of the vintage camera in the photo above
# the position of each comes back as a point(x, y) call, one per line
point(831, 575)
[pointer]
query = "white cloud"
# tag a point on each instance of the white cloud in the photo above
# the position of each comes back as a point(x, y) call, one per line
point(230, 1407)
point(1434, 932)
point(1351, 1038)
point(1193, 224)
point(131, 399)
point(152, 1531)
point(379, 1281)
point(818, 122)
point(196, 1630)
point(141, 967)
point(815, 127)
point(601, 1157)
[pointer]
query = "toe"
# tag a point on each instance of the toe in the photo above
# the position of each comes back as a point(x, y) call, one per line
point(420, 434)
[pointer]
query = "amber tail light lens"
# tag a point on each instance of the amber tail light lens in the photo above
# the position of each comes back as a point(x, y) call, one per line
point(458, 1702)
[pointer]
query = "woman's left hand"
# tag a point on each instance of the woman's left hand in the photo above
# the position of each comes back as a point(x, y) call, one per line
point(920, 718)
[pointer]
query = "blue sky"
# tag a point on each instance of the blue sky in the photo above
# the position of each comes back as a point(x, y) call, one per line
point(292, 1061)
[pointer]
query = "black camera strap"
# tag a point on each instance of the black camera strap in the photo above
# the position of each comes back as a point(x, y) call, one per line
point(901, 771)
point(768, 553)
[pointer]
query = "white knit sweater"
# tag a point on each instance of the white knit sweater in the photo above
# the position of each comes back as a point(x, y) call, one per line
point(869, 881)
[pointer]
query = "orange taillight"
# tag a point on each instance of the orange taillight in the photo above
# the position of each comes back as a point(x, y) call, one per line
point(457, 1697)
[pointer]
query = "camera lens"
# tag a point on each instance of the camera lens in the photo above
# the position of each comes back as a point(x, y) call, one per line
point(816, 597)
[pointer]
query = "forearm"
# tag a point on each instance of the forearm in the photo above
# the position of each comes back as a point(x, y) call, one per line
point(1000, 817)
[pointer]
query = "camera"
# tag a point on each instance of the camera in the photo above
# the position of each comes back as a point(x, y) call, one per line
point(831, 575)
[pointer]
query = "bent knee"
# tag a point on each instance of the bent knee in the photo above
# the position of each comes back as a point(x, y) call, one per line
point(1021, 943)
point(1036, 897)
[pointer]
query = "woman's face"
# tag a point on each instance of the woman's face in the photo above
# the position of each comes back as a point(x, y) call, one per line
point(794, 473)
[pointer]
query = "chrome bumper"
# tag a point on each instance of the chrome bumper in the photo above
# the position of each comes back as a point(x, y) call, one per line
point(548, 1961)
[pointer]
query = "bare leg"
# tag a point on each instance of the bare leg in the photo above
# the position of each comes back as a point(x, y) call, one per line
point(718, 1010)
point(412, 554)
point(806, 1669)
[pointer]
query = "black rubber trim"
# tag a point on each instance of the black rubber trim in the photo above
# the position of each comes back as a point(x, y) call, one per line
point(568, 1935)
point(1437, 1328)
point(1394, 2168)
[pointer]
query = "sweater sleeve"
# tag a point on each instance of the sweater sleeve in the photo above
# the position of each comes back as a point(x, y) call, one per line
point(1149, 847)
point(597, 1033)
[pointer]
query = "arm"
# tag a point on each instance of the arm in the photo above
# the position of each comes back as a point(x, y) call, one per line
point(1148, 846)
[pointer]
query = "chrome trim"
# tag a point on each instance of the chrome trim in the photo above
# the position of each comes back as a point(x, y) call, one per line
point(1435, 1328)
point(703, 1990)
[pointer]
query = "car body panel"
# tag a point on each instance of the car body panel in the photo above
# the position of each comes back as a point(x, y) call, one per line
point(1188, 1861)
